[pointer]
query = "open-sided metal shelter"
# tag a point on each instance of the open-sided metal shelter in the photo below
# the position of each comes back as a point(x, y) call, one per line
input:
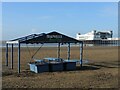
point(52, 37)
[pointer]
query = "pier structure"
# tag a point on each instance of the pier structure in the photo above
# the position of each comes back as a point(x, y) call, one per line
point(101, 42)
point(93, 38)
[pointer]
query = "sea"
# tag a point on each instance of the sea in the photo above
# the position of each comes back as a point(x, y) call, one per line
point(55, 45)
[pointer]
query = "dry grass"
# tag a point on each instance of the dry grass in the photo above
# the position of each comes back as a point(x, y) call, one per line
point(101, 72)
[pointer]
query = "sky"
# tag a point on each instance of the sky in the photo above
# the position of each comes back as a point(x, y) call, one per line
point(69, 18)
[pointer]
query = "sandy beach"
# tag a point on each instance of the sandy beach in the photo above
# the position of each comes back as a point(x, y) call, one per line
point(100, 72)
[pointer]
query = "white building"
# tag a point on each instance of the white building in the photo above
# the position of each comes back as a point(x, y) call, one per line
point(95, 35)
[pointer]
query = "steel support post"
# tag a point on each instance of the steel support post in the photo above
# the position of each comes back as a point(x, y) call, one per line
point(58, 50)
point(18, 57)
point(6, 54)
point(12, 56)
point(81, 53)
point(68, 51)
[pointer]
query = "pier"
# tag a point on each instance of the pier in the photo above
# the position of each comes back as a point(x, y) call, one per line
point(101, 42)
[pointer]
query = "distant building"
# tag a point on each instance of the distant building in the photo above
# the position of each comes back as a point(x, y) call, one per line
point(95, 35)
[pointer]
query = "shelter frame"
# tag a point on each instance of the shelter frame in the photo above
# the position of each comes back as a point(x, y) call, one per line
point(54, 37)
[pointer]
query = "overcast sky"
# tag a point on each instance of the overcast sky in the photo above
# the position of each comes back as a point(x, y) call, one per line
point(20, 18)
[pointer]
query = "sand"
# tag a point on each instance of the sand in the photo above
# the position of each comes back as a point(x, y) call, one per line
point(100, 72)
